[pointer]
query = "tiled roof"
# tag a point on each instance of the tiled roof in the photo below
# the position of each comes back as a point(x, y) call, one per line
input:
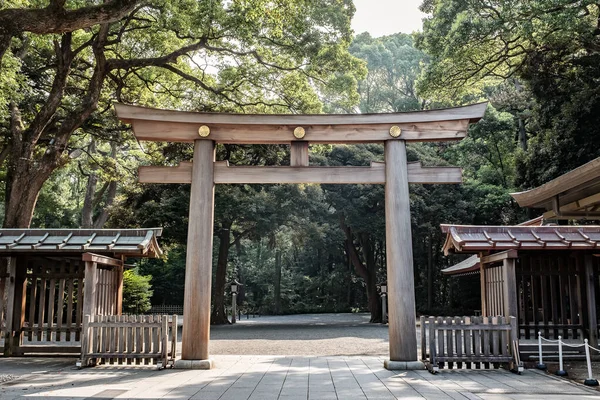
point(131, 242)
point(472, 239)
point(465, 267)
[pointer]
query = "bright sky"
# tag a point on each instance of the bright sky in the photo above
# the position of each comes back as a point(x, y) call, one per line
point(384, 17)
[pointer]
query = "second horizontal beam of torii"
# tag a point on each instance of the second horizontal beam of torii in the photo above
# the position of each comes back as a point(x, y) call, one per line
point(224, 173)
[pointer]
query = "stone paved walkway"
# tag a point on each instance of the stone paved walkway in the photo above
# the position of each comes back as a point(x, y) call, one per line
point(277, 377)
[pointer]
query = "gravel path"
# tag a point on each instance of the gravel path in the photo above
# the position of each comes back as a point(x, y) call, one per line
point(307, 334)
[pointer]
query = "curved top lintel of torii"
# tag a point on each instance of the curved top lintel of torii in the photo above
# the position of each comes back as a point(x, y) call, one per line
point(183, 126)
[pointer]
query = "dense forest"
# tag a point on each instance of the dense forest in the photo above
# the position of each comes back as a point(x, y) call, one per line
point(66, 161)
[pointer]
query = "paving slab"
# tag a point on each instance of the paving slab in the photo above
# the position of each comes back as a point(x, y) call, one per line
point(277, 378)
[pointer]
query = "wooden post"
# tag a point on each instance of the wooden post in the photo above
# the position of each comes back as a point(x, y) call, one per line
point(591, 300)
point(299, 154)
point(198, 269)
point(483, 284)
point(119, 305)
point(510, 288)
point(400, 275)
point(90, 285)
point(15, 306)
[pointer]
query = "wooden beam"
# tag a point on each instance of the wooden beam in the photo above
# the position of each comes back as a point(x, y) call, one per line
point(413, 132)
point(496, 257)
point(100, 259)
point(90, 286)
point(375, 174)
point(509, 283)
point(574, 209)
point(128, 113)
point(299, 154)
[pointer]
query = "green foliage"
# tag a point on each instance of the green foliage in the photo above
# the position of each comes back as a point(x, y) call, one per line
point(136, 292)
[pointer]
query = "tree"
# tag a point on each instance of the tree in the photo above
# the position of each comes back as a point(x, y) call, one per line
point(393, 65)
point(136, 292)
point(237, 56)
point(545, 53)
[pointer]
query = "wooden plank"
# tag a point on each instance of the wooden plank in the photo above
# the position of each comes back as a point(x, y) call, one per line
point(51, 295)
point(225, 174)
point(196, 304)
point(579, 288)
point(495, 337)
point(468, 339)
point(433, 353)
point(497, 257)
point(70, 296)
point(299, 154)
point(32, 303)
point(165, 339)
point(399, 258)
point(61, 303)
point(41, 309)
point(450, 340)
point(459, 339)
point(80, 292)
point(441, 352)
point(101, 259)
point(139, 340)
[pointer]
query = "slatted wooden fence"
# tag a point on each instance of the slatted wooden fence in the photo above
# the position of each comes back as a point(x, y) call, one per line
point(469, 342)
point(129, 340)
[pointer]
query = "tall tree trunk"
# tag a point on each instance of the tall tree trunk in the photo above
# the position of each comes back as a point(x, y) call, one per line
point(219, 316)
point(368, 250)
point(429, 274)
point(277, 293)
point(87, 211)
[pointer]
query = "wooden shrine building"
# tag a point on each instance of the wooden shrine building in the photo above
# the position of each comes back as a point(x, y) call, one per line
point(51, 278)
point(546, 275)
point(206, 130)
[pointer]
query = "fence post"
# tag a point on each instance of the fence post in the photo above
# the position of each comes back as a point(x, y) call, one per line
point(590, 381)
point(561, 371)
point(423, 339)
point(540, 364)
point(85, 338)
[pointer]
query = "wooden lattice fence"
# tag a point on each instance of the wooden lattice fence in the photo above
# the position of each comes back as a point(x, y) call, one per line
point(469, 342)
point(129, 340)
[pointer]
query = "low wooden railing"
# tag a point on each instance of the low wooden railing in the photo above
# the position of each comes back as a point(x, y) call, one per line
point(471, 342)
point(129, 339)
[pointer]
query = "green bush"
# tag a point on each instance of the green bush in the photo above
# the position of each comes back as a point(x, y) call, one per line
point(137, 292)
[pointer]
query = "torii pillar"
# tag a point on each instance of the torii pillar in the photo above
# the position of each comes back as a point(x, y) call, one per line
point(394, 130)
point(399, 259)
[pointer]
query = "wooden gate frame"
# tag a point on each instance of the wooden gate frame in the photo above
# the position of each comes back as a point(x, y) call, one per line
point(207, 129)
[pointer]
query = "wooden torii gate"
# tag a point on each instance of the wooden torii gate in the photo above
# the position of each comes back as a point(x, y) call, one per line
point(207, 129)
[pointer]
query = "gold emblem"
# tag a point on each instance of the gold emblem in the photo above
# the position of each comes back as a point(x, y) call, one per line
point(395, 131)
point(299, 132)
point(203, 131)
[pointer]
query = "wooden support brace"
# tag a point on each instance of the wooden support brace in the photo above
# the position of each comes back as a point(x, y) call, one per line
point(374, 174)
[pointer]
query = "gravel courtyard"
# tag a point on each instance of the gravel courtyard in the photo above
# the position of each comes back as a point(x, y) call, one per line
point(306, 335)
